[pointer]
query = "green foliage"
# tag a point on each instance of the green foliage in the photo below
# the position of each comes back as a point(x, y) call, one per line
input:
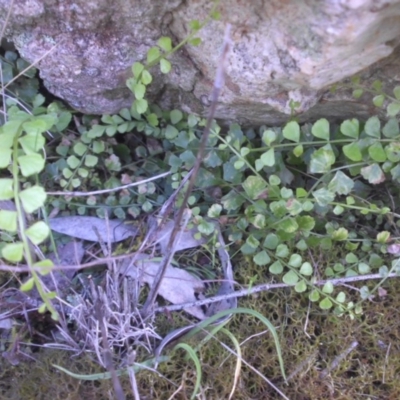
point(23, 139)
point(288, 192)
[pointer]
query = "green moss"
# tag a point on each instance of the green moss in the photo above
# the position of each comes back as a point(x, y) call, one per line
point(311, 339)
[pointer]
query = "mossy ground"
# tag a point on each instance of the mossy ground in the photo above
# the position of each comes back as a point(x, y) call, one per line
point(311, 339)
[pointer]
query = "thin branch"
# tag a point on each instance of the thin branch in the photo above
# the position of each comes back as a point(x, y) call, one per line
point(269, 286)
point(96, 192)
point(335, 363)
point(218, 84)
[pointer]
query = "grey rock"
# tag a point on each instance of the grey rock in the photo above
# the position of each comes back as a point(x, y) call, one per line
point(281, 51)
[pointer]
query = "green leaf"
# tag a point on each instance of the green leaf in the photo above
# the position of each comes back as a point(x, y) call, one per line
point(276, 268)
point(32, 198)
point(73, 162)
point(252, 242)
point(83, 172)
point(32, 143)
point(384, 271)
point(268, 158)
point(393, 109)
point(139, 90)
point(146, 77)
point(292, 131)
point(195, 25)
point(96, 131)
point(27, 285)
point(244, 151)
point(350, 128)
point(31, 164)
point(377, 85)
point(282, 250)
point(294, 207)
point(320, 129)
point(67, 173)
point(34, 127)
point(214, 211)
point(325, 304)
point(42, 309)
point(13, 252)
point(152, 119)
point(314, 295)
point(6, 139)
point(373, 127)
point(391, 128)
point(165, 66)
point(137, 69)
point(363, 268)
point(298, 150)
point(125, 113)
point(373, 173)
point(396, 92)
point(239, 164)
point(254, 186)
point(289, 225)
point(91, 160)
point(64, 120)
point(305, 222)
point(140, 106)
point(192, 120)
point(286, 193)
point(80, 149)
point(341, 297)
point(321, 161)
point(153, 54)
point(165, 43)
point(175, 116)
point(111, 130)
point(262, 258)
point(271, 241)
point(328, 288)
point(393, 152)
point(8, 220)
point(195, 41)
point(352, 151)
point(38, 232)
point(340, 234)
point(300, 192)
point(290, 278)
point(383, 237)
point(306, 269)
point(357, 93)
point(378, 100)
point(269, 136)
point(6, 189)
point(351, 258)
point(323, 196)
point(300, 286)
point(45, 266)
point(9, 130)
point(171, 132)
point(206, 227)
point(5, 157)
point(275, 180)
point(295, 260)
point(341, 183)
point(376, 152)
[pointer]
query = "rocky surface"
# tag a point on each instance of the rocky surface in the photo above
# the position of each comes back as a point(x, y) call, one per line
point(282, 51)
